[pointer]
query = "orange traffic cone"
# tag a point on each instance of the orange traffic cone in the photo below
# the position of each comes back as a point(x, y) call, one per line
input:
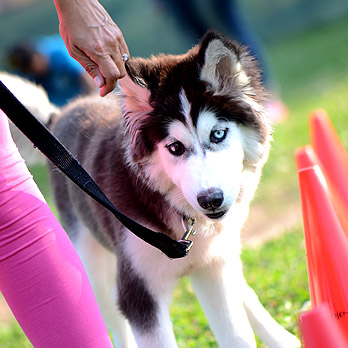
point(332, 155)
point(333, 160)
point(319, 329)
point(326, 245)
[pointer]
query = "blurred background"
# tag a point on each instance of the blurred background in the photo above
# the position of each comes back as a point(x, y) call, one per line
point(302, 46)
point(150, 26)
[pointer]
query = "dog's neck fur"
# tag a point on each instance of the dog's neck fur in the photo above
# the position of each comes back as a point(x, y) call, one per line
point(155, 215)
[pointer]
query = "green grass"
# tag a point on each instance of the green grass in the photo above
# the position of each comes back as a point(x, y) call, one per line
point(278, 274)
point(12, 336)
point(40, 174)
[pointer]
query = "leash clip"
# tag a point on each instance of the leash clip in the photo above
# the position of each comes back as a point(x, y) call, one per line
point(188, 231)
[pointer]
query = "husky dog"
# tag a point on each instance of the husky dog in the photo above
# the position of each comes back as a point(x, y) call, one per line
point(187, 136)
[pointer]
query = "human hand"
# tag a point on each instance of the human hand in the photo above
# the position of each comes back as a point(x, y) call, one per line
point(94, 40)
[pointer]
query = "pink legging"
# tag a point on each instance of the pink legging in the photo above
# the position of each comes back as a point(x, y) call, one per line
point(41, 275)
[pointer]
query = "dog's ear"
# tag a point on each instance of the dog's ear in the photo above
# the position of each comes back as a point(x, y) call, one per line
point(136, 109)
point(220, 64)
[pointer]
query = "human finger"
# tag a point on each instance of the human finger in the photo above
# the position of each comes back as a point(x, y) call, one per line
point(110, 73)
point(90, 66)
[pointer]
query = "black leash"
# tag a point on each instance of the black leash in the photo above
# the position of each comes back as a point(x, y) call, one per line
point(59, 155)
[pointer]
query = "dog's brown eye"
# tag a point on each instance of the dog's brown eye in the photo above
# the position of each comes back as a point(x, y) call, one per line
point(176, 149)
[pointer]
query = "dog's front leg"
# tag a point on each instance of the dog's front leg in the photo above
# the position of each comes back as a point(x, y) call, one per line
point(146, 306)
point(270, 332)
point(219, 291)
point(160, 335)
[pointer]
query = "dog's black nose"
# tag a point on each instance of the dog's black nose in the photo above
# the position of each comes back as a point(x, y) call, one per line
point(211, 198)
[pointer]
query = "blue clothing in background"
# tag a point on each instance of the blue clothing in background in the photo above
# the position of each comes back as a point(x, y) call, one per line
point(62, 81)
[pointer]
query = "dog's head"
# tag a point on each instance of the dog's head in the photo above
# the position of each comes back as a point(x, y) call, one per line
point(196, 125)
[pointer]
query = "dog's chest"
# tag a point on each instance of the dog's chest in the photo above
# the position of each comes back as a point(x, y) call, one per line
point(211, 244)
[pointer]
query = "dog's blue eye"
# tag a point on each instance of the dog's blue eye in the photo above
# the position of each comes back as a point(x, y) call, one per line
point(176, 149)
point(218, 135)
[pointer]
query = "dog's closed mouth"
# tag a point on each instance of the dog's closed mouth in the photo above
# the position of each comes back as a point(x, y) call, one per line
point(216, 215)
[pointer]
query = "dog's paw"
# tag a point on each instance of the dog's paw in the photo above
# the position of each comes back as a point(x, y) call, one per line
point(288, 341)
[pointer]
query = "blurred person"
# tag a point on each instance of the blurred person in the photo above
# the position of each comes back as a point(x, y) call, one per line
point(227, 16)
point(47, 63)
